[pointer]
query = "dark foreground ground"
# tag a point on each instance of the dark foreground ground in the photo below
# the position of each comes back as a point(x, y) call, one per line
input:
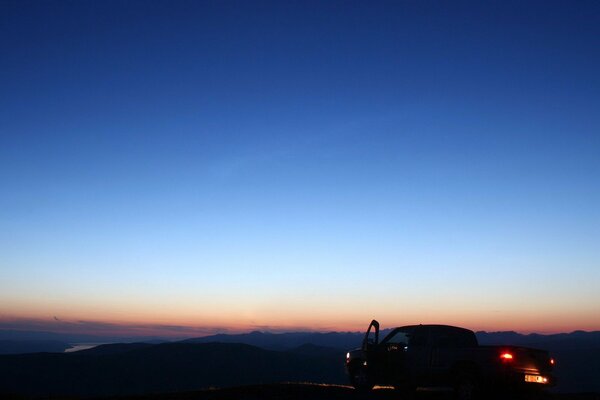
point(311, 391)
point(308, 391)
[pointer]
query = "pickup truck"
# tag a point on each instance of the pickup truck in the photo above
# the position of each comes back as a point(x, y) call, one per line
point(447, 357)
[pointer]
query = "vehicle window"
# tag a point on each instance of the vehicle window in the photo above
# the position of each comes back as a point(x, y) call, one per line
point(399, 338)
point(371, 337)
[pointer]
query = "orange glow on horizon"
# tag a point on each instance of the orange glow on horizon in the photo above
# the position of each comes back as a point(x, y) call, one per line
point(175, 325)
point(187, 316)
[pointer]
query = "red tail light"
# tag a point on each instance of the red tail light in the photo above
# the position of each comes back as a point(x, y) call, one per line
point(552, 362)
point(506, 357)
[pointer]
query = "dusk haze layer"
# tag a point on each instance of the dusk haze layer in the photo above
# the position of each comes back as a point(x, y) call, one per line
point(179, 169)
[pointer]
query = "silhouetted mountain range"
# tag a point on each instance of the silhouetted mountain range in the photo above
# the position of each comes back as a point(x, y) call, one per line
point(348, 340)
point(34, 341)
point(574, 339)
point(283, 341)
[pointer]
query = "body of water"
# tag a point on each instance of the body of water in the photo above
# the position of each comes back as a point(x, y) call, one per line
point(81, 346)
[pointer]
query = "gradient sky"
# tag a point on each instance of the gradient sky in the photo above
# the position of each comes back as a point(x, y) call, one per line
point(227, 166)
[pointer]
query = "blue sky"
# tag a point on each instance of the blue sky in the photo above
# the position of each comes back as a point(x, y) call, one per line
point(301, 164)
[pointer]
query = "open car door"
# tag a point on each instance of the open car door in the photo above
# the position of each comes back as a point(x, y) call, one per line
point(372, 335)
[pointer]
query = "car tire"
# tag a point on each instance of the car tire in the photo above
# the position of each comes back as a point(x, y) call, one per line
point(466, 388)
point(360, 379)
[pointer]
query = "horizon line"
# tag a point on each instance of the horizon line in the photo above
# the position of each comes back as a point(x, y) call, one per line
point(178, 332)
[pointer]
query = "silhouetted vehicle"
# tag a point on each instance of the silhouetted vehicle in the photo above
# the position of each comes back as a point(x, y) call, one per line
point(445, 356)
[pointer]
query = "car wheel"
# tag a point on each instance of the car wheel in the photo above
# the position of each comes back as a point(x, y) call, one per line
point(360, 379)
point(466, 388)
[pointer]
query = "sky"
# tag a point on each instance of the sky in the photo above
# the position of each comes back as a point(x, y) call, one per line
point(226, 166)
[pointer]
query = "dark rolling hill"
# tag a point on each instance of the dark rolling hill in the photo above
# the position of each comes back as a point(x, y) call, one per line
point(169, 367)
point(115, 348)
point(285, 341)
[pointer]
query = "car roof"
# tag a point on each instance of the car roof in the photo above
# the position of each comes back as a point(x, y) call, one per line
point(438, 326)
